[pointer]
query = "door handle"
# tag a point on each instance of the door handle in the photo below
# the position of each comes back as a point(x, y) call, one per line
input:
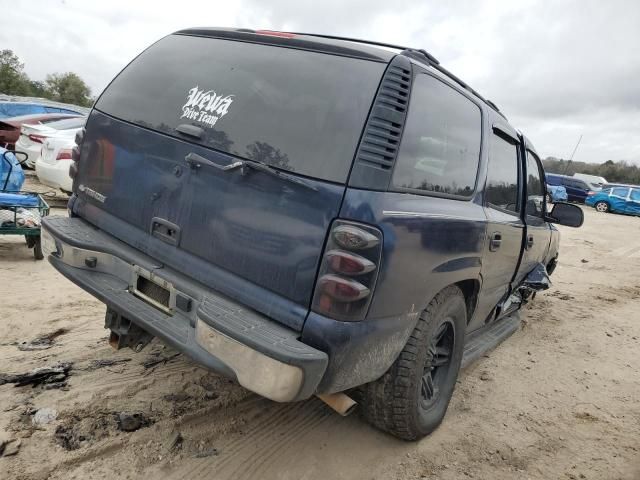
point(529, 241)
point(495, 241)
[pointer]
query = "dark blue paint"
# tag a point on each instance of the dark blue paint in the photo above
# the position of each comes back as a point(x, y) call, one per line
point(262, 235)
point(259, 239)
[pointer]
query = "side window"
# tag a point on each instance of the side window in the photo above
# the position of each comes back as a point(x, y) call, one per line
point(535, 189)
point(635, 195)
point(620, 192)
point(440, 146)
point(502, 178)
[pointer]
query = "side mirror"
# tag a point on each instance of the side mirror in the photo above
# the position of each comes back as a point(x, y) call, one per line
point(565, 214)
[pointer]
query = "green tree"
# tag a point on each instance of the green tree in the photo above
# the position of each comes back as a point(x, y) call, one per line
point(13, 80)
point(68, 88)
point(39, 89)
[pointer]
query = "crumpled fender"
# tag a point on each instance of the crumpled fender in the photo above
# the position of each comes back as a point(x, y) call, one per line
point(537, 279)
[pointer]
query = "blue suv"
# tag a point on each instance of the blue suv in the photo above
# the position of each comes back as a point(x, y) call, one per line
point(577, 190)
point(308, 215)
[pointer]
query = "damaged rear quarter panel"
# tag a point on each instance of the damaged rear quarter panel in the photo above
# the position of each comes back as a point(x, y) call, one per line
point(429, 243)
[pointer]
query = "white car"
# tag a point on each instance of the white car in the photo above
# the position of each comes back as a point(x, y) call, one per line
point(32, 137)
point(52, 166)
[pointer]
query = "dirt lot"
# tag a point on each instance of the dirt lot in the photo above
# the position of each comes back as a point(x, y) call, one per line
point(558, 400)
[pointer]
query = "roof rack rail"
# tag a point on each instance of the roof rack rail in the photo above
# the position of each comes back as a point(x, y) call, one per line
point(416, 53)
point(370, 42)
point(412, 52)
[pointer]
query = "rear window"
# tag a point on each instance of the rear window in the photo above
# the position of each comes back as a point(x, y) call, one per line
point(296, 110)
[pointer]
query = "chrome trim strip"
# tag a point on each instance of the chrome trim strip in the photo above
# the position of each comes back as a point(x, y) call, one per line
point(400, 214)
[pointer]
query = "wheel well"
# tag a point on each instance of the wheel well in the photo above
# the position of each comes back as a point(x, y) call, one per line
point(470, 289)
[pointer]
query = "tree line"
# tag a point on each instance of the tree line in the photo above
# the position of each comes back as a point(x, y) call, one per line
point(614, 172)
point(62, 87)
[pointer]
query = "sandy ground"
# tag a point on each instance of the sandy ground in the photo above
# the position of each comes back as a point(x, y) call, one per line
point(558, 400)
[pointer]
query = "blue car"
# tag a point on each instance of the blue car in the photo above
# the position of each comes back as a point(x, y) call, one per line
point(616, 199)
point(558, 193)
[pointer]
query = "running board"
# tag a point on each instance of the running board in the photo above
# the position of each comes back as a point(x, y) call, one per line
point(489, 337)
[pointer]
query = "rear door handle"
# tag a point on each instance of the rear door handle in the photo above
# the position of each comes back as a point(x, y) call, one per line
point(495, 241)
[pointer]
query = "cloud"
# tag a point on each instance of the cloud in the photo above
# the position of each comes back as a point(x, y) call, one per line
point(556, 69)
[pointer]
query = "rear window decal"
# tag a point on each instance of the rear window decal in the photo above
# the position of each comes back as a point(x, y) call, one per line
point(206, 107)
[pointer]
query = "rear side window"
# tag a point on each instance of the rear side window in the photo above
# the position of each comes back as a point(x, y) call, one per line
point(501, 191)
point(296, 110)
point(620, 192)
point(440, 146)
point(635, 195)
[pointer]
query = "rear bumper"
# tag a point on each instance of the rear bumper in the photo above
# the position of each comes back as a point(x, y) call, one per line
point(261, 354)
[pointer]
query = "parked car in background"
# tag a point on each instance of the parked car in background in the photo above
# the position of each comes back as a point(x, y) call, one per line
point(593, 181)
point(32, 137)
point(325, 234)
point(612, 185)
point(52, 166)
point(13, 106)
point(557, 193)
point(10, 127)
point(617, 200)
point(577, 190)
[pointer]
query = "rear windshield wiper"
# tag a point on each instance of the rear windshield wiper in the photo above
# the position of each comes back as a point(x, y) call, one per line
point(196, 161)
point(277, 173)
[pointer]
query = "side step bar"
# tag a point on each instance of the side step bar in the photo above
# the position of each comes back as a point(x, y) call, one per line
point(488, 338)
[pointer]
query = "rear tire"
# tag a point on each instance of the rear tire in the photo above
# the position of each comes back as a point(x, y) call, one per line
point(602, 206)
point(410, 400)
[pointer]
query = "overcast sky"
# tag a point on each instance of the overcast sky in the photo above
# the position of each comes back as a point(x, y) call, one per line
point(557, 69)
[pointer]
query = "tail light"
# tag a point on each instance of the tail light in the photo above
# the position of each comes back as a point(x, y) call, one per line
point(64, 154)
point(348, 271)
point(36, 138)
point(590, 193)
point(75, 153)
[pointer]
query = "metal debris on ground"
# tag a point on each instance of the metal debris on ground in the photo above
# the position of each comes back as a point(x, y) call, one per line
point(173, 441)
point(9, 448)
point(109, 362)
point(42, 342)
point(131, 421)
point(44, 416)
point(207, 453)
point(54, 376)
point(156, 361)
